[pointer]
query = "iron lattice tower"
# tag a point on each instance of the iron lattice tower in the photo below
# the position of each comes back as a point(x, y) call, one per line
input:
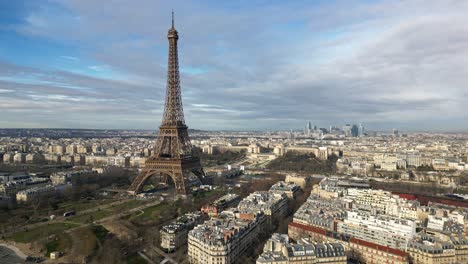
point(172, 156)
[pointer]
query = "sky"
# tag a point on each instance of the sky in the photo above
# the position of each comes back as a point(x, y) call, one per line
point(245, 65)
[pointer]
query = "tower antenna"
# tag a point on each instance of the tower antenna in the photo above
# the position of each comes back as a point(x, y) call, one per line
point(172, 18)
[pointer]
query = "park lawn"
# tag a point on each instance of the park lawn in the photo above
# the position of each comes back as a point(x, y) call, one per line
point(207, 194)
point(148, 213)
point(83, 204)
point(97, 215)
point(148, 187)
point(136, 259)
point(41, 232)
point(91, 217)
point(84, 241)
point(51, 247)
point(128, 205)
point(61, 244)
point(100, 232)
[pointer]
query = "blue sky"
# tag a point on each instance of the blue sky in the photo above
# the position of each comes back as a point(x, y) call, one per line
point(245, 64)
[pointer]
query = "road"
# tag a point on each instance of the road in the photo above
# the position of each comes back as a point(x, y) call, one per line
point(164, 254)
point(143, 255)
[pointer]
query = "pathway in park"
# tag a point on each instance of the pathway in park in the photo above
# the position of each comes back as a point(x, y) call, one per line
point(59, 219)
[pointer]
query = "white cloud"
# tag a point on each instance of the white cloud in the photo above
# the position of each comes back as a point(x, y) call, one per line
point(71, 58)
point(388, 63)
point(6, 91)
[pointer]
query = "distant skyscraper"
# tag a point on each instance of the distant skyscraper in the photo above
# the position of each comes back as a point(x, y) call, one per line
point(361, 130)
point(308, 129)
point(347, 130)
point(355, 131)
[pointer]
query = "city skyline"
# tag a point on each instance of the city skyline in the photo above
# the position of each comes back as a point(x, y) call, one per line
point(381, 63)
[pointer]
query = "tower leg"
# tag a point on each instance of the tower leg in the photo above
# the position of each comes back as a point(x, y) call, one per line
point(179, 182)
point(162, 178)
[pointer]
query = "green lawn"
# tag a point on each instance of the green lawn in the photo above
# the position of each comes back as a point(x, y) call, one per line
point(83, 204)
point(148, 187)
point(57, 228)
point(128, 205)
point(56, 245)
point(206, 194)
point(100, 232)
point(64, 242)
point(51, 247)
point(136, 259)
point(148, 213)
point(40, 232)
point(90, 217)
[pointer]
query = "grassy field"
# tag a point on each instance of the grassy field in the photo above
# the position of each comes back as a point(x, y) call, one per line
point(100, 232)
point(25, 215)
point(61, 244)
point(90, 217)
point(51, 247)
point(199, 197)
point(56, 228)
point(41, 232)
point(84, 242)
point(128, 205)
point(136, 259)
point(148, 213)
point(83, 205)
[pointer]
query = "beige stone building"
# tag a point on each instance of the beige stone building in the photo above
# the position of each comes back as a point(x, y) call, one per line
point(30, 194)
point(279, 250)
point(175, 234)
point(223, 240)
point(302, 181)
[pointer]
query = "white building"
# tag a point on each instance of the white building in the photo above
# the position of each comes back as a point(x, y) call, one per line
point(19, 158)
point(379, 229)
point(383, 202)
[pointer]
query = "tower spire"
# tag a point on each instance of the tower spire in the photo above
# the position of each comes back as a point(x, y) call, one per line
point(173, 110)
point(172, 18)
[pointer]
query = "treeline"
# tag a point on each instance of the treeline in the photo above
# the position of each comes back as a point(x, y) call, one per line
point(218, 157)
point(414, 188)
point(464, 179)
point(294, 161)
point(88, 186)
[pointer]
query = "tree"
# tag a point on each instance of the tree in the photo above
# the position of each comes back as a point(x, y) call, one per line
point(110, 252)
point(294, 161)
point(40, 201)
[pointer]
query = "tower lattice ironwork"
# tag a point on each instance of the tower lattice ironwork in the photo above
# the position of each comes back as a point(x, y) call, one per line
point(172, 156)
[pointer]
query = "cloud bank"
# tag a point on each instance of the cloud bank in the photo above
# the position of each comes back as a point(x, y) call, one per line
point(267, 65)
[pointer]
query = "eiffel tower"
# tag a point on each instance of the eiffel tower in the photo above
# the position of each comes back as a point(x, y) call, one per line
point(173, 151)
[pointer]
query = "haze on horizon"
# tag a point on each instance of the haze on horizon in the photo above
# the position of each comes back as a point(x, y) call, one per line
point(249, 65)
